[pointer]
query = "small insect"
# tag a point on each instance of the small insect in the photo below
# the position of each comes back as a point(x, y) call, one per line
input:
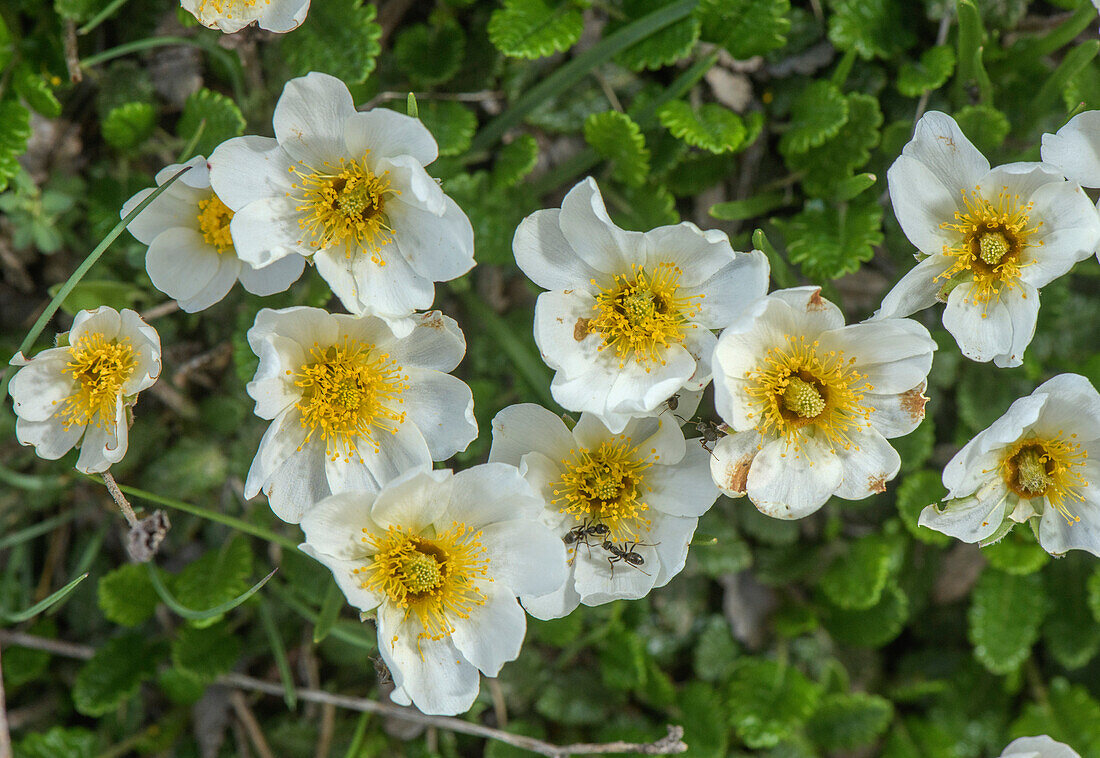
point(585, 531)
point(625, 553)
point(672, 404)
point(381, 670)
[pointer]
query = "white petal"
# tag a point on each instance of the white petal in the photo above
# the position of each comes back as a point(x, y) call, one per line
point(437, 247)
point(732, 288)
point(685, 489)
point(304, 325)
point(1022, 304)
point(282, 438)
point(100, 448)
point(599, 581)
point(244, 169)
point(297, 483)
point(868, 465)
point(41, 385)
point(309, 118)
point(1023, 178)
point(1057, 535)
point(266, 230)
point(521, 429)
point(983, 330)
point(1072, 406)
point(524, 556)
point(284, 15)
point(435, 342)
point(674, 535)
point(493, 634)
point(662, 438)
point(392, 292)
point(916, 290)
point(413, 500)
point(51, 438)
point(562, 334)
point(489, 493)
point(104, 321)
point(553, 605)
point(146, 344)
point(790, 482)
point(698, 254)
point(894, 354)
point(225, 276)
point(940, 145)
point(922, 203)
point(972, 518)
point(349, 475)
point(335, 525)
point(180, 263)
point(276, 277)
point(898, 414)
point(1075, 148)
point(699, 344)
point(591, 233)
point(168, 211)
point(1070, 232)
point(810, 313)
point(442, 407)
point(544, 255)
point(388, 133)
point(397, 452)
point(733, 455)
point(1043, 746)
point(347, 580)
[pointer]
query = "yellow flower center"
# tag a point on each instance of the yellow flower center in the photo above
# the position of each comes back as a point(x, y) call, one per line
point(800, 387)
point(434, 578)
point(606, 486)
point(642, 314)
point(230, 8)
point(100, 368)
point(214, 218)
point(992, 240)
point(343, 205)
point(349, 393)
point(1049, 468)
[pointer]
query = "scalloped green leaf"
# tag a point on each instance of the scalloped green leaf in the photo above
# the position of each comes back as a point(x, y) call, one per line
point(713, 127)
point(1068, 714)
point(1070, 633)
point(215, 578)
point(209, 119)
point(127, 126)
point(616, 137)
point(986, 126)
point(535, 28)
point(847, 721)
point(15, 130)
point(515, 160)
point(916, 491)
point(114, 674)
point(829, 241)
point(817, 114)
point(662, 48)
point(932, 72)
point(768, 701)
point(126, 596)
point(36, 91)
point(452, 124)
point(703, 719)
point(827, 166)
point(857, 577)
point(873, 627)
point(58, 742)
point(340, 38)
point(1004, 617)
point(1017, 553)
point(872, 28)
point(745, 27)
point(205, 653)
point(430, 54)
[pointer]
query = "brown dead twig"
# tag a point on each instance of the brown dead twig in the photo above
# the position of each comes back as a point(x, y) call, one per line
point(671, 744)
point(145, 534)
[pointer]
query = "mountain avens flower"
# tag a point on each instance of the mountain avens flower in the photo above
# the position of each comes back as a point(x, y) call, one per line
point(627, 320)
point(352, 404)
point(626, 504)
point(81, 392)
point(1037, 463)
point(233, 15)
point(438, 559)
point(987, 238)
point(811, 402)
point(349, 191)
point(1038, 747)
point(191, 257)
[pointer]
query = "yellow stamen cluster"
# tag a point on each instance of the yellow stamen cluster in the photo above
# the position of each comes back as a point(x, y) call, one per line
point(1049, 468)
point(349, 393)
point(214, 218)
point(642, 314)
point(343, 205)
point(433, 578)
point(100, 368)
point(992, 239)
point(606, 486)
point(798, 385)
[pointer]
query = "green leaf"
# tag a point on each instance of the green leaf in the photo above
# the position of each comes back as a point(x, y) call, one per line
point(15, 130)
point(91, 293)
point(716, 652)
point(935, 68)
point(662, 48)
point(1068, 714)
point(59, 742)
point(1016, 554)
point(713, 127)
point(817, 114)
point(873, 627)
point(1004, 617)
point(78, 10)
point(215, 115)
point(871, 28)
point(769, 701)
point(452, 124)
point(52, 599)
point(535, 28)
point(846, 721)
point(217, 577)
point(430, 54)
point(856, 578)
point(920, 489)
point(515, 160)
point(205, 653)
point(617, 138)
point(829, 241)
point(1070, 633)
point(36, 91)
point(745, 27)
point(986, 126)
point(623, 660)
point(127, 126)
point(740, 210)
point(114, 674)
point(1094, 593)
point(126, 596)
point(704, 720)
point(340, 38)
point(829, 166)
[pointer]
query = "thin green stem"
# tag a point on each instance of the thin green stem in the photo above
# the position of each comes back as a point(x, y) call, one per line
point(102, 16)
point(290, 694)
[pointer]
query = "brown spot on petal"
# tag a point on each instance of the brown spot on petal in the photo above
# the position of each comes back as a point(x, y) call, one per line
point(580, 329)
point(877, 483)
point(913, 402)
point(816, 302)
point(736, 475)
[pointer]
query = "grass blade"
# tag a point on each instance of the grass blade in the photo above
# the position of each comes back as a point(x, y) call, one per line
point(190, 613)
point(290, 695)
point(330, 611)
point(41, 605)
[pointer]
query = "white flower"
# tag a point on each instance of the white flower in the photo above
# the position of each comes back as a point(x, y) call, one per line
point(1039, 747)
point(81, 392)
point(439, 558)
point(640, 491)
point(350, 190)
point(628, 318)
point(1075, 149)
point(1040, 463)
point(991, 238)
point(191, 257)
point(811, 402)
point(353, 405)
point(233, 15)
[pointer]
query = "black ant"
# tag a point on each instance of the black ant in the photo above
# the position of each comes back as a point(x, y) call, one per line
point(672, 404)
point(584, 531)
point(625, 553)
point(709, 433)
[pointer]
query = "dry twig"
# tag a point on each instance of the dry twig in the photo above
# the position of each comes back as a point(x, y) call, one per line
point(5, 735)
